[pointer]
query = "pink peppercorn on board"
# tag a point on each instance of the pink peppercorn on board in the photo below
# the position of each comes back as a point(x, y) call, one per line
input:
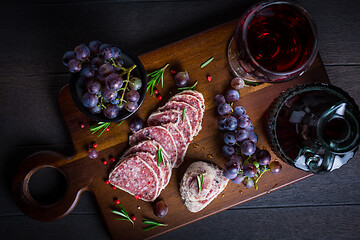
point(85, 174)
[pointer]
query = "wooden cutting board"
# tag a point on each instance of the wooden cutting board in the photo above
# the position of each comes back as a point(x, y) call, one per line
point(85, 174)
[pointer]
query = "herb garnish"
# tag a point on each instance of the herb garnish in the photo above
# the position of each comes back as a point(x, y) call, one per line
point(101, 125)
point(207, 62)
point(200, 181)
point(159, 157)
point(154, 79)
point(188, 88)
point(152, 223)
point(123, 214)
point(183, 115)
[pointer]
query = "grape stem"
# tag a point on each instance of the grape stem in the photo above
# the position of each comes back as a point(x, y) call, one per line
point(128, 71)
point(257, 179)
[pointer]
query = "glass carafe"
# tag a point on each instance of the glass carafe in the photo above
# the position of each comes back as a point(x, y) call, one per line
point(314, 127)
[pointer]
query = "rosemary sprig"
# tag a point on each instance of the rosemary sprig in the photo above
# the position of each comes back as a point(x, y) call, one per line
point(159, 157)
point(153, 224)
point(123, 214)
point(154, 79)
point(200, 181)
point(188, 88)
point(101, 125)
point(207, 62)
point(183, 115)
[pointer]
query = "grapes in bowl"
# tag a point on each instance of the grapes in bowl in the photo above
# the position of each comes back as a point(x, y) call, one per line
point(107, 84)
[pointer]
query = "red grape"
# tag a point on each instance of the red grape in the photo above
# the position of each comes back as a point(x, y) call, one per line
point(114, 81)
point(232, 95)
point(181, 79)
point(136, 124)
point(82, 52)
point(92, 153)
point(67, 57)
point(94, 47)
point(237, 83)
point(275, 167)
point(111, 111)
point(219, 99)
point(89, 100)
point(249, 170)
point(263, 157)
point(160, 208)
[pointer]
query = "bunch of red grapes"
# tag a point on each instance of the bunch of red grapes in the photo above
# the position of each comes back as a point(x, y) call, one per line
point(246, 162)
point(109, 87)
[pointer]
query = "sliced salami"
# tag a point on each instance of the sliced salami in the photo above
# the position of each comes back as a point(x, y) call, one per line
point(151, 161)
point(190, 111)
point(160, 135)
point(136, 177)
point(170, 130)
point(179, 141)
point(172, 116)
point(195, 94)
point(152, 147)
point(193, 101)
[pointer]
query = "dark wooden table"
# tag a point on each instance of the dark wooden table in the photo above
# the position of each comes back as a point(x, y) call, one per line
point(34, 36)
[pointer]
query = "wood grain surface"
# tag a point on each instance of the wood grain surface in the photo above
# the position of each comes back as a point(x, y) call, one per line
point(35, 36)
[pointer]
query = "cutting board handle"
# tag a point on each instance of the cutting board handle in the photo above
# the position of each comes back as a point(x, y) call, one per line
point(76, 183)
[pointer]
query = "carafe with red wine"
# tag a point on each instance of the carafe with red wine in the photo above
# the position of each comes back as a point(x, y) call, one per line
point(314, 127)
point(274, 41)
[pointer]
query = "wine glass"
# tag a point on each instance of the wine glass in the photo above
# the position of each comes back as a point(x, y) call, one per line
point(274, 41)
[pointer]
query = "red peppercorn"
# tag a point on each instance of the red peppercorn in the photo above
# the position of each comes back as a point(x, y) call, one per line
point(117, 201)
point(156, 91)
point(107, 182)
point(104, 162)
point(159, 97)
point(209, 78)
point(113, 187)
point(94, 145)
point(137, 197)
point(112, 159)
point(107, 129)
point(133, 218)
point(82, 125)
point(172, 71)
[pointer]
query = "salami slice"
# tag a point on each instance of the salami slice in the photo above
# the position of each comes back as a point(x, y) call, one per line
point(197, 94)
point(151, 161)
point(160, 135)
point(193, 101)
point(172, 116)
point(136, 177)
point(214, 183)
point(179, 141)
point(190, 111)
point(152, 147)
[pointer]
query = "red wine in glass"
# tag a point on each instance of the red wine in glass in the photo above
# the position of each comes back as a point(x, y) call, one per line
point(273, 42)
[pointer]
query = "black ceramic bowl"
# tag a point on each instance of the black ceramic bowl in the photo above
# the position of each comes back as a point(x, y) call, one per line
point(139, 71)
